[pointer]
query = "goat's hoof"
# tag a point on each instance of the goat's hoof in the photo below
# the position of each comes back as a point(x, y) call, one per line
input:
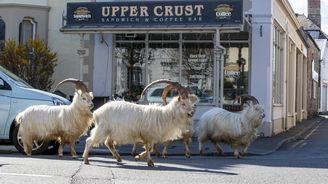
point(60, 155)
point(188, 155)
point(243, 154)
point(86, 162)
point(201, 153)
point(150, 163)
point(164, 156)
point(119, 159)
point(75, 156)
point(134, 154)
point(28, 155)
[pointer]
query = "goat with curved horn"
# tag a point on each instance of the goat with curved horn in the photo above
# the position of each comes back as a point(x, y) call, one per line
point(244, 98)
point(166, 90)
point(183, 92)
point(79, 85)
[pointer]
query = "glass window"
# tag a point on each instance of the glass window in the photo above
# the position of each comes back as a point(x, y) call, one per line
point(236, 71)
point(2, 33)
point(314, 34)
point(131, 36)
point(165, 37)
point(163, 61)
point(278, 48)
point(198, 36)
point(129, 66)
point(27, 30)
point(186, 58)
point(198, 69)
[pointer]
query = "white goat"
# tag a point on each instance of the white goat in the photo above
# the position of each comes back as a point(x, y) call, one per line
point(236, 129)
point(187, 131)
point(186, 134)
point(120, 122)
point(64, 124)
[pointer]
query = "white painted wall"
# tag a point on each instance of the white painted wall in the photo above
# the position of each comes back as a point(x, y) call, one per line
point(65, 45)
point(323, 45)
point(102, 71)
point(29, 2)
point(261, 67)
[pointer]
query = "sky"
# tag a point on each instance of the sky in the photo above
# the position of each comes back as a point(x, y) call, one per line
point(300, 6)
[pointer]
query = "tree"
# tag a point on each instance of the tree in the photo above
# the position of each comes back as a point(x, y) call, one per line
point(33, 62)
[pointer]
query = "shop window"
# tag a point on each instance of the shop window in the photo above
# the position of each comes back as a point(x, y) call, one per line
point(27, 30)
point(2, 33)
point(129, 68)
point(162, 56)
point(278, 49)
point(198, 36)
point(236, 71)
point(197, 69)
point(166, 37)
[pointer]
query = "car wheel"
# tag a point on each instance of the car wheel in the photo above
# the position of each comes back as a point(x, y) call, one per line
point(39, 147)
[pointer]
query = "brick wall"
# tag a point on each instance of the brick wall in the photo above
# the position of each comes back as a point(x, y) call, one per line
point(314, 11)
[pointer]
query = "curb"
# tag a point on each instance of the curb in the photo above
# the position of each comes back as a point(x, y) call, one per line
point(296, 136)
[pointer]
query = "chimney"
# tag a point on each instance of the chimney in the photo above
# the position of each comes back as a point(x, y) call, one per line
point(314, 13)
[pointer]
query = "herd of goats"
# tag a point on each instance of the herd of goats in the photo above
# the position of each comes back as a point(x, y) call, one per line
point(122, 122)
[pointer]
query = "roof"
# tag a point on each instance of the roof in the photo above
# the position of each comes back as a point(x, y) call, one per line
point(306, 23)
point(309, 25)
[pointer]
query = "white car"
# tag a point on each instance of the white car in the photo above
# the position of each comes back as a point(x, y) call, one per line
point(154, 95)
point(15, 96)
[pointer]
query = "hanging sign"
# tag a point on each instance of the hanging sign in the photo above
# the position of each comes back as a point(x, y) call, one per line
point(154, 14)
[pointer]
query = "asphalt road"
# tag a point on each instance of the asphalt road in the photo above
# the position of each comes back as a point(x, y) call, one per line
point(301, 161)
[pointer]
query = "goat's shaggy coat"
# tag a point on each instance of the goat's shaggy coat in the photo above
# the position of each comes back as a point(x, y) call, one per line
point(121, 122)
point(62, 123)
point(236, 129)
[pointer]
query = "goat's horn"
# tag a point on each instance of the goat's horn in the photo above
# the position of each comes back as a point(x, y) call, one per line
point(245, 98)
point(158, 82)
point(79, 85)
point(165, 92)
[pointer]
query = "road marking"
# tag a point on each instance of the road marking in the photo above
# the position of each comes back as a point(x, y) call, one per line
point(306, 137)
point(31, 175)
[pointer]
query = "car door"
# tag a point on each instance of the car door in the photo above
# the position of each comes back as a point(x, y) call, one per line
point(5, 103)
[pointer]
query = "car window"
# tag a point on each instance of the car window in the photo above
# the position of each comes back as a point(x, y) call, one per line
point(157, 92)
point(18, 81)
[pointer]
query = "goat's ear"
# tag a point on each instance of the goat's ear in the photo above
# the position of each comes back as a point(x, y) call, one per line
point(79, 92)
point(91, 94)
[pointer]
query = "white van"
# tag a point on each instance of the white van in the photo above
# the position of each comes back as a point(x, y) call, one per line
point(15, 96)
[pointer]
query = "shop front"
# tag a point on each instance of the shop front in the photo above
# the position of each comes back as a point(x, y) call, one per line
point(201, 44)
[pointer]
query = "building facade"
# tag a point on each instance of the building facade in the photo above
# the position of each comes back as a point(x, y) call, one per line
point(20, 21)
point(251, 47)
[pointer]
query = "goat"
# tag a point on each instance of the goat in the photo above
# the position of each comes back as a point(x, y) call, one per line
point(186, 132)
point(235, 129)
point(121, 122)
point(64, 124)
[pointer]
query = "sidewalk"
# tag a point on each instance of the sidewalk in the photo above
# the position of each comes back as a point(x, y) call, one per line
point(260, 146)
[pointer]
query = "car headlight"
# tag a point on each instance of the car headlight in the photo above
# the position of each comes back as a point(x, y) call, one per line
point(57, 102)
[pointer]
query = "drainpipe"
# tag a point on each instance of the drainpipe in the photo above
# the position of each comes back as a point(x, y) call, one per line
point(219, 52)
point(81, 52)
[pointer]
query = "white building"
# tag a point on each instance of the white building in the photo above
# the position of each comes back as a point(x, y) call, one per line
point(265, 54)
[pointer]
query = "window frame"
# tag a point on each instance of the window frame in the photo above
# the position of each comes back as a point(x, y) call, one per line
point(34, 27)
